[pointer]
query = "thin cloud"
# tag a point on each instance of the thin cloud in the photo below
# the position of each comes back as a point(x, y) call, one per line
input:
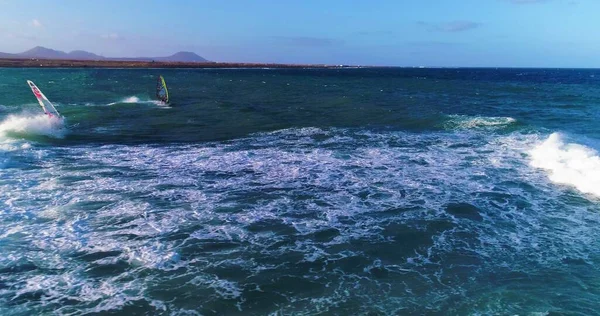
point(111, 36)
point(450, 27)
point(433, 44)
point(526, 1)
point(307, 41)
point(36, 23)
point(370, 33)
point(22, 36)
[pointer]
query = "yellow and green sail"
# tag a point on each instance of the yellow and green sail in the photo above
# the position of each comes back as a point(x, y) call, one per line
point(162, 93)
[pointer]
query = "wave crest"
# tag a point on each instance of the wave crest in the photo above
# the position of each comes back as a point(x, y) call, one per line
point(39, 124)
point(569, 163)
point(469, 122)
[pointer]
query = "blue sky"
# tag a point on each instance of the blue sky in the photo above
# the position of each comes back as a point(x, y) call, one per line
point(502, 33)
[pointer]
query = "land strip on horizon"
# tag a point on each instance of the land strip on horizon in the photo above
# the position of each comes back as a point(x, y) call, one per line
point(64, 63)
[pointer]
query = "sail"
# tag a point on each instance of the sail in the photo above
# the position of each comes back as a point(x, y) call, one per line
point(161, 90)
point(44, 102)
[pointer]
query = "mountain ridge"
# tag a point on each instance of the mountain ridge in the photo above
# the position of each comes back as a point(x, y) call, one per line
point(40, 52)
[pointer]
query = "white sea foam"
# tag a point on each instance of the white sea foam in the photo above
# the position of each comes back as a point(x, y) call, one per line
point(135, 99)
point(39, 124)
point(131, 99)
point(319, 205)
point(469, 122)
point(568, 163)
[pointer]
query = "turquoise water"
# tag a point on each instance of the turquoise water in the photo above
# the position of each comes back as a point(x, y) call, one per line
point(340, 191)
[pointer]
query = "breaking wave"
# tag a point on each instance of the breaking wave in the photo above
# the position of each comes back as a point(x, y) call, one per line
point(469, 122)
point(568, 163)
point(39, 124)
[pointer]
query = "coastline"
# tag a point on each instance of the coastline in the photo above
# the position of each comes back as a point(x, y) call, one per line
point(65, 63)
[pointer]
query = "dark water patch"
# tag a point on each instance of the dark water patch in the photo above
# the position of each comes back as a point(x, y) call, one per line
point(295, 286)
point(464, 210)
point(257, 301)
point(575, 262)
point(27, 298)
point(19, 268)
point(407, 239)
point(395, 211)
point(325, 235)
point(97, 255)
point(271, 225)
point(207, 246)
point(102, 270)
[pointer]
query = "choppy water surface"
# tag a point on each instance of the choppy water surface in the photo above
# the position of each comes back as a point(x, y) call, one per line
point(355, 191)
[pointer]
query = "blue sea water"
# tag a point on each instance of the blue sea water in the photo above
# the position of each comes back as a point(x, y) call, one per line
point(301, 191)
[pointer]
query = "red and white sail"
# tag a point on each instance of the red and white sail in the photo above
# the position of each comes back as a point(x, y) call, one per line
point(46, 105)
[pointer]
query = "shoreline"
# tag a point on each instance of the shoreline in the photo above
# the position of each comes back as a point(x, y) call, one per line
point(65, 63)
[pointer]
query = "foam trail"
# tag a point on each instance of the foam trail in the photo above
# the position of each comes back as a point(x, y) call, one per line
point(568, 163)
point(39, 124)
point(134, 99)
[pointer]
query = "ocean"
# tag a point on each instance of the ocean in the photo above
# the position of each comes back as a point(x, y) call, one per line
point(372, 191)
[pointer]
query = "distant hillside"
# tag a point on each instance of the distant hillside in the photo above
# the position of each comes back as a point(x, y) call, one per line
point(184, 56)
point(83, 55)
point(187, 57)
point(40, 52)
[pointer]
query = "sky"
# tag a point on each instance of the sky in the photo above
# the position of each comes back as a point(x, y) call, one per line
point(448, 33)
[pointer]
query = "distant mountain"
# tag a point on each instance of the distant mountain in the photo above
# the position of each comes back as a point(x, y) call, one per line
point(81, 54)
point(184, 56)
point(181, 57)
point(40, 52)
point(43, 52)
